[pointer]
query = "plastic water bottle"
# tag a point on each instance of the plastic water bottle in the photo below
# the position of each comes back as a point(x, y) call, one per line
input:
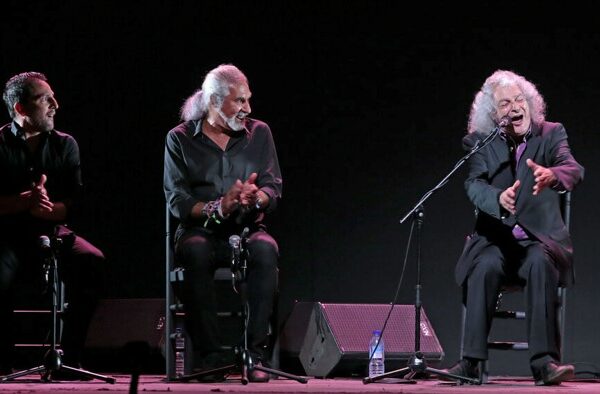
point(179, 352)
point(377, 355)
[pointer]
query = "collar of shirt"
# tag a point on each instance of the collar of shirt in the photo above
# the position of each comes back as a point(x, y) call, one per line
point(18, 132)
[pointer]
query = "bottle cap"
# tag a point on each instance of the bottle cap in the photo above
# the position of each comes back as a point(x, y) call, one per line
point(376, 332)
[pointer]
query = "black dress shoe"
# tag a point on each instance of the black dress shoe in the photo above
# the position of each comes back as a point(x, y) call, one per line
point(466, 368)
point(258, 376)
point(552, 374)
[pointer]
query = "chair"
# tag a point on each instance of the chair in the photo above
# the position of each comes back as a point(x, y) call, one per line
point(174, 312)
point(229, 314)
point(565, 206)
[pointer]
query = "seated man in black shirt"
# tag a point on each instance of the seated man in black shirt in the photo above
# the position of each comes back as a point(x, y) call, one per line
point(221, 176)
point(40, 179)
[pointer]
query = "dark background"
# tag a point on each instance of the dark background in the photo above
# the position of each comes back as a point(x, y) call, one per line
point(367, 103)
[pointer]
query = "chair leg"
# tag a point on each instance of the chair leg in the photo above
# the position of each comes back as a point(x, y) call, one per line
point(274, 334)
point(484, 371)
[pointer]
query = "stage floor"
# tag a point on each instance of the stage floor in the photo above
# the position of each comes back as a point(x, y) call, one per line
point(156, 384)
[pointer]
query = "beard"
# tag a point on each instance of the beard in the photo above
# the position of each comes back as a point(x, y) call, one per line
point(43, 123)
point(234, 122)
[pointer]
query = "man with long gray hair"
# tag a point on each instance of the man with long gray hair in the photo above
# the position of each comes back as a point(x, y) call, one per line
point(221, 176)
point(520, 236)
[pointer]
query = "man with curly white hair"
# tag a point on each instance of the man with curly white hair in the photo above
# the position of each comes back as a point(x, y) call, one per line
point(520, 236)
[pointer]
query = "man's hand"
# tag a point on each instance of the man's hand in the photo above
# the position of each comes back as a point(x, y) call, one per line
point(231, 199)
point(39, 201)
point(244, 194)
point(544, 177)
point(248, 195)
point(507, 197)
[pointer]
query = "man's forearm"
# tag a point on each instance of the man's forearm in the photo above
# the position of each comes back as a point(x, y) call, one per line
point(15, 203)
point(58, 213)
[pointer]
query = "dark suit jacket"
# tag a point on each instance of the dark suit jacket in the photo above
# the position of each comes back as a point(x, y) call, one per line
point(490, 173)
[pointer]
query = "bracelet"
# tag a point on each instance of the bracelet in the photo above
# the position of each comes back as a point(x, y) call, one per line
point(213, 210)
point(258, 204)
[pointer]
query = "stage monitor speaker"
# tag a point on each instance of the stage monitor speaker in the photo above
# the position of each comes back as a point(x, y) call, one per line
point(337, 338)
point(292, 335)
point(119, 323)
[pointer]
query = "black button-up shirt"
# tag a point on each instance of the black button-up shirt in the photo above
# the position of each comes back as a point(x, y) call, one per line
point(196, 169)
point(57, 156)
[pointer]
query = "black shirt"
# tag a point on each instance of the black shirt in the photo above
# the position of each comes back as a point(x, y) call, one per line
point(57, 156)
point(196, 169)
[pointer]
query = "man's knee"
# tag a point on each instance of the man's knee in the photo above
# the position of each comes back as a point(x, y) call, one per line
point(82, 248)
point(540, 264)
point(263, 249)
point(8, 268)
point(485, 267)
point(193, 252)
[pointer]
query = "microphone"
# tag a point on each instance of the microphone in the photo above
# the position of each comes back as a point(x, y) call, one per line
point(45, 245)
point(505, 121)
point(44, 242)
point(244, 233)
point(502, 123)
point(244, 239)
point(46, 252)
point(478, 144)
point(235, 242)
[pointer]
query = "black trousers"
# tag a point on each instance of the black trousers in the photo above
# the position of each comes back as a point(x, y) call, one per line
point(526, 263)
point(80, 267)
point(201, 254)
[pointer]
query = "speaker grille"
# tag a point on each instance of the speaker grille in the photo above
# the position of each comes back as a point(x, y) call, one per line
point(353, 324)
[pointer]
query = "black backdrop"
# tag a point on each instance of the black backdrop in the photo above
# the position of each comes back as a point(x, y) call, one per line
point(367, 104)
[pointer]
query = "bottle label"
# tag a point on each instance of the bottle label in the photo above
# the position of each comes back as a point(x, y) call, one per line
point(378, 352)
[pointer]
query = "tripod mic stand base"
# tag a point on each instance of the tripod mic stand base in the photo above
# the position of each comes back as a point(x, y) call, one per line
point(418, 365)
point(53, 363)
point(244, 366)
point(299, 379)
point(221, 371)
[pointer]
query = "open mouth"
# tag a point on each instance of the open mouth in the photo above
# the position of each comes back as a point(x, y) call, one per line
point(516, 119)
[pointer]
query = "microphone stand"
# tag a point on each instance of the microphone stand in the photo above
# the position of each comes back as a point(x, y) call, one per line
point(53, 357)
point(417, 363)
